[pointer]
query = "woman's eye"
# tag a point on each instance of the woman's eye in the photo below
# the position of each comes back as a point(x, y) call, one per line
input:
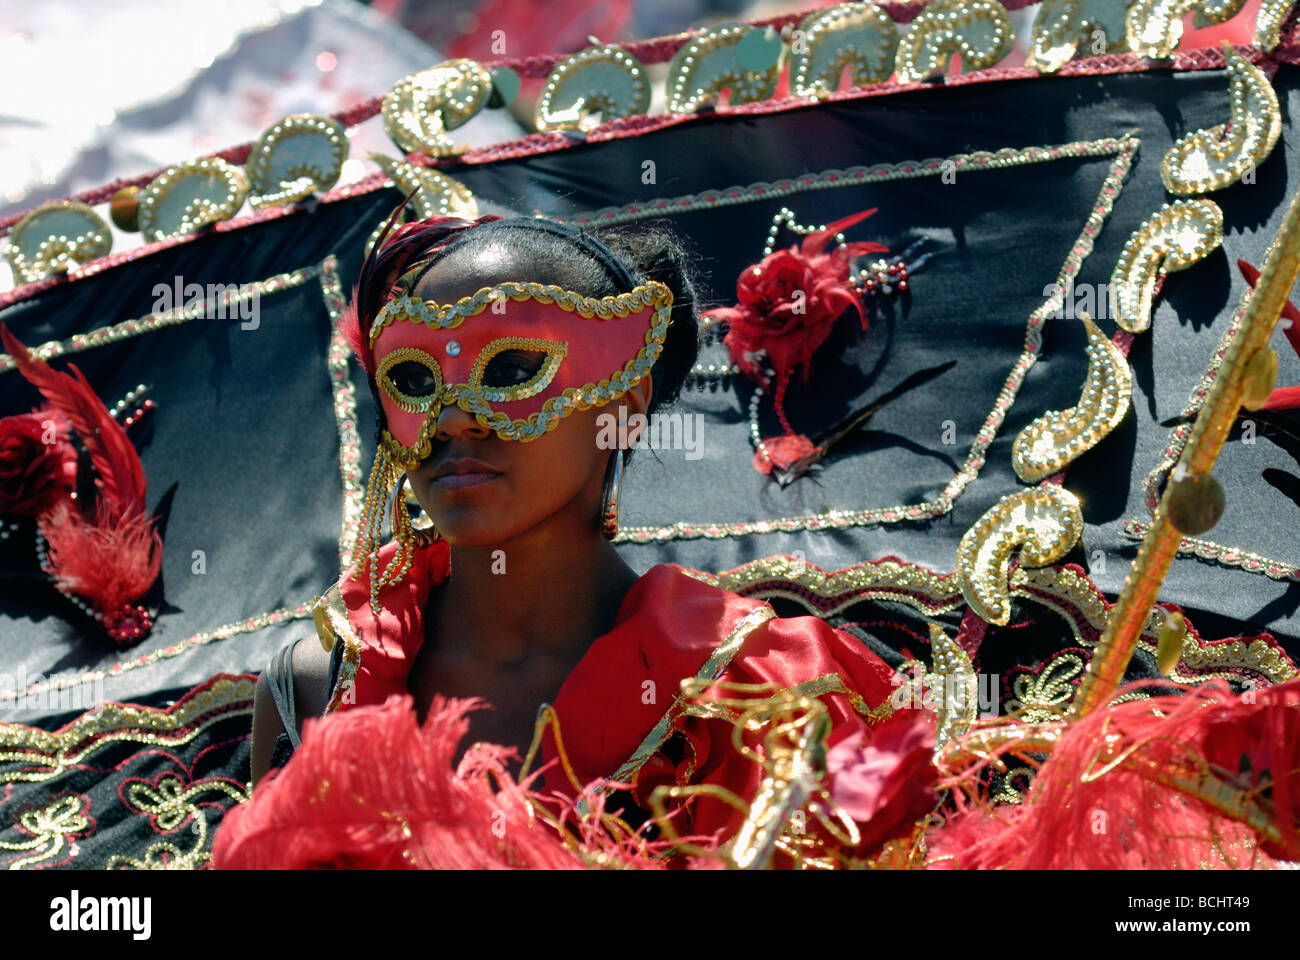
point(413, 379)
point(512, 367)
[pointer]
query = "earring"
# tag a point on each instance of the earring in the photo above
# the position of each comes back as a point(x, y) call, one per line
point(609, 504)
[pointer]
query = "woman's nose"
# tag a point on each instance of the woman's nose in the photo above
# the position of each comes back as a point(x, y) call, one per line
point(455, 422)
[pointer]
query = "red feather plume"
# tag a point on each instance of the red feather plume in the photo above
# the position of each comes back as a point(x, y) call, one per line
point(370, 788)
point(112, 555)
point(1114, 793)
point(121, 479)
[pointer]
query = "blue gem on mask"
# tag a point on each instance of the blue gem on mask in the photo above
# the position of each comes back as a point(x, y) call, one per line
point(453, 348)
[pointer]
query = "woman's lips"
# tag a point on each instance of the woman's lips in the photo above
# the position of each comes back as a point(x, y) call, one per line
point(455, 481)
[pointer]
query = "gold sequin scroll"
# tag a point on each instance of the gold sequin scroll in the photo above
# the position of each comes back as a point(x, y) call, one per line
point(860, 36)
point(1043, 523)
point(1215, 158)
point(980, 30)
point(715, 61)
point(435, 193)
point(50, 238)
point(1060, 436)
point(593, 87)
point(1066, 29)
point(294, 158)
point(420, 109)
point(1156, 26)
point(191, 195)
point(1173, 238)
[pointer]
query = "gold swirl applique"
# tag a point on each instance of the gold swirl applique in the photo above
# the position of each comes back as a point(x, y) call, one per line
point(1156, 26)
point(432, 193)
point(190, 195)
point(604, 82)
point(1065, 29)
point(312, 164)
point(860, 36)
point(1173, 238)
point(1268, 22)
point(709, 64)
point(1215, 158)
point(1058, 437)
point(1044, 523)
point(50, 238)
point(980, 30)
point(421, 108)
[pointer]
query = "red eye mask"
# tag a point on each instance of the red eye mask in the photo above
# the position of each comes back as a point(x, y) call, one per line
point(428, 356)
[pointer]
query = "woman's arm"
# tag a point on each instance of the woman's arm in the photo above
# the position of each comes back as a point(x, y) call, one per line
point(311, 666)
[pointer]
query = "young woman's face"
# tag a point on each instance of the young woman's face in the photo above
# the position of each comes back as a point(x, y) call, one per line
point(480, 490)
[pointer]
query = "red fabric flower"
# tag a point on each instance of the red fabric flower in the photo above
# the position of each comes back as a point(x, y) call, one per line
point(787, 304)
point(34, 474)
point(887, 784)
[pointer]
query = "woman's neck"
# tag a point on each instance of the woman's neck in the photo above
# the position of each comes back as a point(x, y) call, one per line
point(550, 591)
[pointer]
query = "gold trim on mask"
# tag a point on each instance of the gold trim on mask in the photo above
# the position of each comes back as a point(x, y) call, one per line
point(451, 315)
point(409, 402)
point(475, 399)
point(555, 351)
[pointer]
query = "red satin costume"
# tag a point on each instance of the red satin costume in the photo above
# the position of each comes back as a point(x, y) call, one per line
point(668, 627)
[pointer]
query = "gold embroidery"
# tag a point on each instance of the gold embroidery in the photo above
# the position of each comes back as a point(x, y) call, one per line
point(1268, 23)
point(1046, 695)
point(1064, 28)
point(313, 163)
point(1058, 437)
point(411, 404)
point(1156, 26)
point(33, 755)
point(190, 195)
point(345, 412)
point(435, 193)
point(555, 352)
point(170, 805)
point(421, 108)
point(52, 829)
point(1216, 417)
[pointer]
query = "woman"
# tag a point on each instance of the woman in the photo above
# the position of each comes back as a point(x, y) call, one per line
point(495, 392)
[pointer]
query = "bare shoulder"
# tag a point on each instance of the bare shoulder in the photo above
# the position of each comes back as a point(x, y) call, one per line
point(310, 676)
point(311, 671)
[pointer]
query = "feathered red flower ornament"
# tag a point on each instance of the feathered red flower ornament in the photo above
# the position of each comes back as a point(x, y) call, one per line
point(108, 552)
point(785, 309)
